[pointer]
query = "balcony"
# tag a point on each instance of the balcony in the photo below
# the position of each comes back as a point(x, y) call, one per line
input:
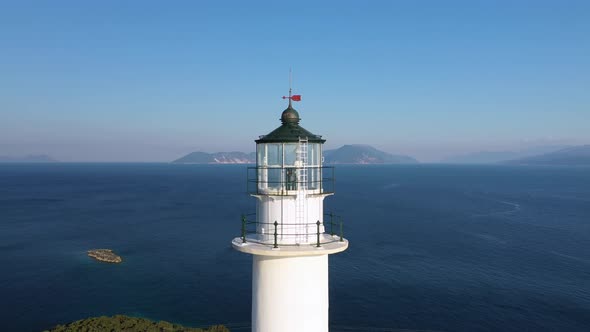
point(276, 235)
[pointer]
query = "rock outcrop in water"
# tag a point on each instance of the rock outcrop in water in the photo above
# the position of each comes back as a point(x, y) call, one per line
point(105, 255)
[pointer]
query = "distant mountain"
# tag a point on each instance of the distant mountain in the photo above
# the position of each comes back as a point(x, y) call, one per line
point(572, 156)
point(347, 154)
point(364, 154)
point(217, 158)
point(492, 157)
point(28, 159)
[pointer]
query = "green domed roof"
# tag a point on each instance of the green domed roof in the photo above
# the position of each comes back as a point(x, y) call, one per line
point(290, 115)
point(290, 130)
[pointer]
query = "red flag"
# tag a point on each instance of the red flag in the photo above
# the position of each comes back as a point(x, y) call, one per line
point(296, 97)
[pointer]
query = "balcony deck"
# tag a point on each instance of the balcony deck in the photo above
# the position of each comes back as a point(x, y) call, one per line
point(329, 245)
point(291, 239)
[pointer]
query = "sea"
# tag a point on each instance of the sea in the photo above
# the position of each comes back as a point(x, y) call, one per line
point(432, 247)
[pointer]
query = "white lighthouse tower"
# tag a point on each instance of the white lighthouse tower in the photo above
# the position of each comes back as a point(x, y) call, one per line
point(288, 237)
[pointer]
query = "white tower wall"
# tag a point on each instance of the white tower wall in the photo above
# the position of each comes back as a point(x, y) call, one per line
point(290, 294)
point(283, 209)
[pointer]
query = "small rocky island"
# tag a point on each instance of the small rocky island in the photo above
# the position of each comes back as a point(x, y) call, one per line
point(105, 255)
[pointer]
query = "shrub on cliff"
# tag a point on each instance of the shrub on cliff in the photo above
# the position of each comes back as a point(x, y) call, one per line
point(121, 323)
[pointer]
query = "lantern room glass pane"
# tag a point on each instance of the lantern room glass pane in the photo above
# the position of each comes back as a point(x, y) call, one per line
point(313, 154)
point(270, 154)
point(260, 154)
point(275, 180)
point(290, 153)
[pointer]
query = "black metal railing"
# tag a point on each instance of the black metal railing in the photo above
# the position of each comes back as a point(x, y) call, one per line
point(273, 234)
point(264, 180)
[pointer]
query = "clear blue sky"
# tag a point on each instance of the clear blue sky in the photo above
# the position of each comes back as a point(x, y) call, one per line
point(150, 81)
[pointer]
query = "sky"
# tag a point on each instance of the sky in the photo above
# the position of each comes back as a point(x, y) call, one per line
point(153, 80)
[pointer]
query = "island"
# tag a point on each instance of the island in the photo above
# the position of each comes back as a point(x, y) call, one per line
point(27, 159)
point(217, 158)
point(105, 255)
point(571, 156)
point(120, 323)
point(347, 154)
point(361, 154)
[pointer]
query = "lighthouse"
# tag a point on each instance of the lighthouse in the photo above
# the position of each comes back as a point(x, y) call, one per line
point(290, 236)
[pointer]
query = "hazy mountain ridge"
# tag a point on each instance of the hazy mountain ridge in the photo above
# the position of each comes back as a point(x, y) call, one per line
point(217, 158)
point(347, 154)
point(491, 157)
point(571, 156)
point(364, 154)
point(28, 159)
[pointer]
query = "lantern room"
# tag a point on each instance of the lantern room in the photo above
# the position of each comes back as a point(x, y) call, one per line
point(289, 159)
point(290, 182)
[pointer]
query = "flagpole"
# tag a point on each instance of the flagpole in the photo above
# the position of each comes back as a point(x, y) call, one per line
point(290, 82)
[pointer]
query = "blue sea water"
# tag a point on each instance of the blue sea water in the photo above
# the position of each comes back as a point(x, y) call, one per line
point(432, 247)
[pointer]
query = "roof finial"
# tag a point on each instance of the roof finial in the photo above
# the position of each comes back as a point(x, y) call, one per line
point(291, 96)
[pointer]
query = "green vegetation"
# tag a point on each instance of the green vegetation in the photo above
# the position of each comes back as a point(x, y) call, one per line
point(129, 324)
